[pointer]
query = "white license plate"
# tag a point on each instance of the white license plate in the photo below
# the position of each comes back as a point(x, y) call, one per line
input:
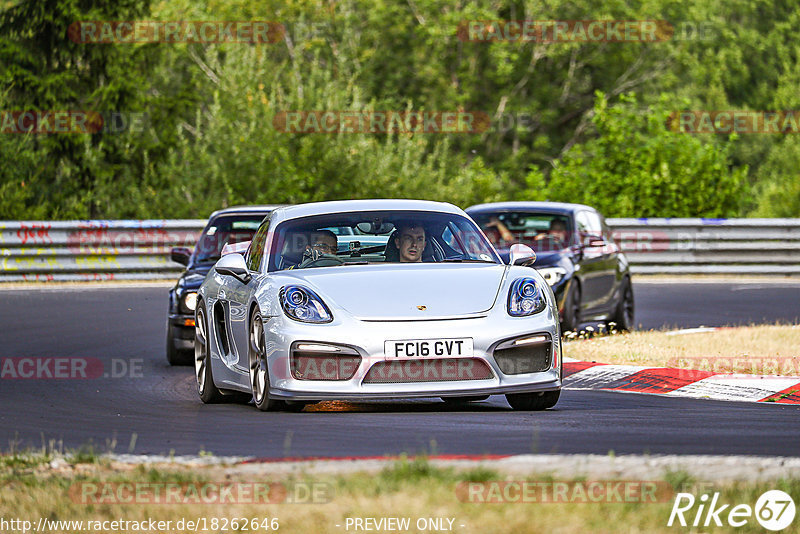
point(428, 348)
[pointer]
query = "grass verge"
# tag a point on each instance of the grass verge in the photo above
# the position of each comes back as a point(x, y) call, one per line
point(412, 489)
point(762, 350)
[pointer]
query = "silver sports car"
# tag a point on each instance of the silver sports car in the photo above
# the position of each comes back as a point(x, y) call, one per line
point(375, 299)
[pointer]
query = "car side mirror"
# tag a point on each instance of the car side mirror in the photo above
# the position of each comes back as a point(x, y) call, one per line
point(180, 255)
point(520, 254)
point(591, 240)
point(233, 265)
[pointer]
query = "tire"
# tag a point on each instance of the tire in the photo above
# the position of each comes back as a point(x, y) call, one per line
point(259, 370)
point(208, 392)
point(624, 312)
point(175, 356)
point(572, 308)
point(533, 402)
point(464, 399)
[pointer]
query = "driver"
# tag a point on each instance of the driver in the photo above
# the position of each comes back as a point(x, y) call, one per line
point(557, 231)
point(410, 242)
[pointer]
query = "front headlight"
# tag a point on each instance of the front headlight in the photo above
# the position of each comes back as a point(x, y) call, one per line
point(552, 275)
point(526, 297)
point(302, 304)
point(189, 301)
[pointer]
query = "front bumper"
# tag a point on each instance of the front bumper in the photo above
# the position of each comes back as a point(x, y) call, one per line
point(368, 338)
point(282, 394)
point(182, 327)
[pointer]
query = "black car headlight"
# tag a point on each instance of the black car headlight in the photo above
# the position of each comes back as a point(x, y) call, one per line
point(188, 301)
point(552, 275)
point(526, 297)
point(302, 304)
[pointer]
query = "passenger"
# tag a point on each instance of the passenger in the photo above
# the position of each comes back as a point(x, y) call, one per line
point(320, 243)
point(324, 241)
point(498, 233)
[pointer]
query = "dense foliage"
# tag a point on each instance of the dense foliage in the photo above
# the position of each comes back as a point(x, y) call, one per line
point(578, 121)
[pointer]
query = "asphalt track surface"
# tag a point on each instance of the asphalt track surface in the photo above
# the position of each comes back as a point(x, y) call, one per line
point(158, 404)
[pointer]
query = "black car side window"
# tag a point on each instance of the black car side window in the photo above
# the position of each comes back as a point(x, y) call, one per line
point(256, 251)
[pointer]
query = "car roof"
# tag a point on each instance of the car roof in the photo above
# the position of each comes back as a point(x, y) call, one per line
point(343, 206)
point(243, 210)
point(550, 207)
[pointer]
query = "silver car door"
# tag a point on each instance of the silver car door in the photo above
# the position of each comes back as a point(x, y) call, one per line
point(238, 297)
point(241, 295)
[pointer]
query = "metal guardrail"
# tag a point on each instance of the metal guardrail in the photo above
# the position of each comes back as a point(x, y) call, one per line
point(136, 250)
point(710, 246)
point(93, 250)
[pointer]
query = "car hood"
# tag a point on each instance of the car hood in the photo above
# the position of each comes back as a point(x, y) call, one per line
point(407, 292)
point(546, 259)
point(193, 278)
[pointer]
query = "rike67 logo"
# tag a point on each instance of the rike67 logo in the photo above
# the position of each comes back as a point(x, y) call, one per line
point(774, 510)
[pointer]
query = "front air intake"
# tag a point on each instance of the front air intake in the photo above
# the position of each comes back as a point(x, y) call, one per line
point(316, 361)
point(530, 354)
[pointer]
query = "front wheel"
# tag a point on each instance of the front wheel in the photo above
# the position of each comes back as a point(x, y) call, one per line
point(533, 401)
point(176, 356)
point(259, 371)
point(208, 392)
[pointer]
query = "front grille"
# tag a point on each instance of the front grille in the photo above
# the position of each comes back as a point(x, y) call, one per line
point(428, 370)
point(525, 358)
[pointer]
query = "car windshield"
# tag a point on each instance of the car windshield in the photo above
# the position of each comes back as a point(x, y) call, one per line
point(225, 230)
point(543, 232)
point(378, 237)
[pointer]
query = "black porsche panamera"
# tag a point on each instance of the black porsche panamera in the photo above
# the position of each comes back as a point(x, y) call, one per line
point(575, 253)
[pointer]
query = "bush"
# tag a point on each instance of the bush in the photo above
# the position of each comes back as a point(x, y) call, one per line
point(636, 167)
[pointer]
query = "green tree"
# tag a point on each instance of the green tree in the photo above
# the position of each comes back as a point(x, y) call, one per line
point(778, 192)
point(41, 69)
point(210, 139)
point(637, 167)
